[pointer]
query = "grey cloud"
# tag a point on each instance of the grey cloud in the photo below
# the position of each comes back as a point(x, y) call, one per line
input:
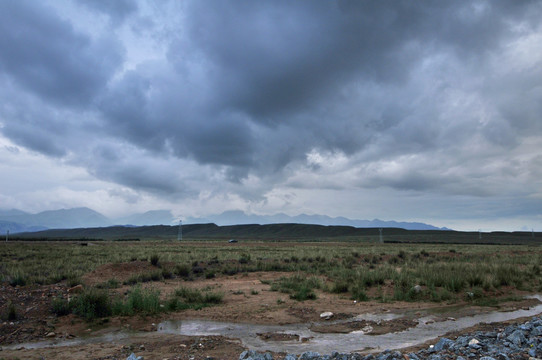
point(249, 88)
point(47, 56)
point(117, 10)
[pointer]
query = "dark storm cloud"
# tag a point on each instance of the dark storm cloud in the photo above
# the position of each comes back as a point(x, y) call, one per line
point(252, 87)
point(46, 56)
point(292, 63)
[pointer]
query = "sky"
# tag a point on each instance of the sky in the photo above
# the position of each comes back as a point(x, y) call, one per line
point(424, 111)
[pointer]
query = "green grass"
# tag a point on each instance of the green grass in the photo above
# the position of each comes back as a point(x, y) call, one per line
point(299, 287)
point(350, 268)
point(138, 300)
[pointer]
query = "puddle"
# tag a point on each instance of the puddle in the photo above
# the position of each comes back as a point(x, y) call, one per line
point(110, 337)
point(303, 339)
point(325, 343)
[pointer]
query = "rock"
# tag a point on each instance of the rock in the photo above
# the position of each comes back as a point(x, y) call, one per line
point(77, 289)
point(442, 344)
point(487, 358)
point(473, 341)
point(367, 329)
point(326, 315)
point(517, 338)
point(134, 357)
point(417, 289)
point(309, 355)
point(290, 357)
point(51, 334)
point(537, 331)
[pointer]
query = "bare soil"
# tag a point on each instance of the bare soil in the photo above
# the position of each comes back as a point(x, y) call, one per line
point(247, 299)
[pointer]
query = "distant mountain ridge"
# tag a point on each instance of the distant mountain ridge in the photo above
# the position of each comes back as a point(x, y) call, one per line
point(17, 221)
point(237, 217)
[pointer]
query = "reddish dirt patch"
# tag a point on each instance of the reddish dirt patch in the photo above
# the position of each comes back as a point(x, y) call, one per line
point(118, 271)
point(32, 305)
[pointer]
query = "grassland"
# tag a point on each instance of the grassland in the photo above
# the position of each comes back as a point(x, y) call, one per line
point(361, 271)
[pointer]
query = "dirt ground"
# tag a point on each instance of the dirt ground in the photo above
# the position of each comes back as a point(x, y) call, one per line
point(247, 299)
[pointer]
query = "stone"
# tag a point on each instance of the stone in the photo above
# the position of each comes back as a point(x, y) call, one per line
point(367, 329)
point(134, 357)
point(487, 358)
point(517, 338)
point(417, 289)
point(442, 344)
point(537, 331)
point(51, 334)
point(290, 357)
point(247, 354)
point(474, 341)
point(309, 355)
point(326, 315)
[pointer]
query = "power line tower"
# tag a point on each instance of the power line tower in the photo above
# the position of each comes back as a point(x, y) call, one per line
point(180, 233)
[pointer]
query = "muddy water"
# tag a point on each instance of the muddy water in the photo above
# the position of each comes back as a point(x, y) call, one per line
point(354, 341)
point(426, 330)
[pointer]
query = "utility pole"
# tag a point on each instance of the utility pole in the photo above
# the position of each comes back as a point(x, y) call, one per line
point(381, 241)
point(180, 234)
point(7, 235)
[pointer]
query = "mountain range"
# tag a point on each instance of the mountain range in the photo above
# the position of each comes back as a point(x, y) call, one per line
point(17, 221)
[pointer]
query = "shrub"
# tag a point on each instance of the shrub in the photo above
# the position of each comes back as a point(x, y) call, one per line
point(182, 270)
point(60, 306)
point(154, 259)
point(358, 293)
point(141, 301)
point(167, 274)
point(298, 286)
point(10, 313)
point(196, 296)
point(109, 284)
point(303, 293)
point(17, 277)
point(340, 287)
point(73, 280)
point(244, 258)
point(92, 303)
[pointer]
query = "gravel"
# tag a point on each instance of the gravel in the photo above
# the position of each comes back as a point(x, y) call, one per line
point(522, 341)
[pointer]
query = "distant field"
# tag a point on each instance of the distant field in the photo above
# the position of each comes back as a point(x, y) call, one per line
point(284, 232)
point(357, 269)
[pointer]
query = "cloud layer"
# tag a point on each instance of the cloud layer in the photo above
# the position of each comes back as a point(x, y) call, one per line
point(267, 106)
